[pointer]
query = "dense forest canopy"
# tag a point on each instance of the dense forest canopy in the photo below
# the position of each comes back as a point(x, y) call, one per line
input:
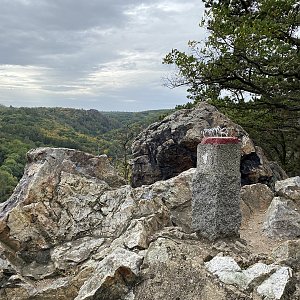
point(249, 67)
point(22, 129)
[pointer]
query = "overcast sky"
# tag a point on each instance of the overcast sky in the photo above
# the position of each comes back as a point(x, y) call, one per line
point(101, 54)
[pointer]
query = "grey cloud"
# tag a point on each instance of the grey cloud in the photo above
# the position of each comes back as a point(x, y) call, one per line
point(52, 27)
point(63, 14)
point(73, 39)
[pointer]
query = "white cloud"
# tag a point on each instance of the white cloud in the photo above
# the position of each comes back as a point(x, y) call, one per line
point(21, 77)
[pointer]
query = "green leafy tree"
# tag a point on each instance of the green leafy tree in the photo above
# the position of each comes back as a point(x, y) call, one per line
point(249, 66)
point(253, 47)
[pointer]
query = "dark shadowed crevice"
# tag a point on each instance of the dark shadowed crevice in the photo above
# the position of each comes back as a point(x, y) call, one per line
point(249, 165)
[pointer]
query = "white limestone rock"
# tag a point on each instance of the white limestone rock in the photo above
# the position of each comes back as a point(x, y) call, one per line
point(274, 287)
point(229, 272)
point(256, 273)
point(222, 263)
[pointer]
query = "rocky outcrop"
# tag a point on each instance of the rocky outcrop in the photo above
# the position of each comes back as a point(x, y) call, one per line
point(167, 148)
point(54, 201)
point(72, 231)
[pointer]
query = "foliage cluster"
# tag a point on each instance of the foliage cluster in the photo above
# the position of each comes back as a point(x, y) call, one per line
point(249, 67)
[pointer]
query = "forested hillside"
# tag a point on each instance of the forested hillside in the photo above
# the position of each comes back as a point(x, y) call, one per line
point(92, 131)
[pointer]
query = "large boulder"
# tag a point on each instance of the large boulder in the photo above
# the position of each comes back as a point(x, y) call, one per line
point(289, 188)
point(167, 148)
point(282, 219)
point(255, 200)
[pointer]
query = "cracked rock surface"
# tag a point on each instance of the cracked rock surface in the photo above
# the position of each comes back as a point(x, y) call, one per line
point(74, 230)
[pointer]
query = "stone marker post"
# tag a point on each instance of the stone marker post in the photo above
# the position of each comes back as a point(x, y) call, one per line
point(216, 188)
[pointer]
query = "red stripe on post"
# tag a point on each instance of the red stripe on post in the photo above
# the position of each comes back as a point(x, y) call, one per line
point(220, 140)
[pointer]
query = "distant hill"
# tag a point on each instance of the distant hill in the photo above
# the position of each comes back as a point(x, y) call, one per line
point(92, 131)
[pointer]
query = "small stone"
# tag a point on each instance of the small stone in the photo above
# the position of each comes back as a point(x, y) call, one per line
point(130, 296)
point(229, 272)
point(274, 287)
point(247, 145)
point(136, 236)
point(240, 245)
point(157, 252)
point(221, 264)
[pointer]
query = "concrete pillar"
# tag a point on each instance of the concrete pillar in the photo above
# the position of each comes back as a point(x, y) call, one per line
point(216, 188)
